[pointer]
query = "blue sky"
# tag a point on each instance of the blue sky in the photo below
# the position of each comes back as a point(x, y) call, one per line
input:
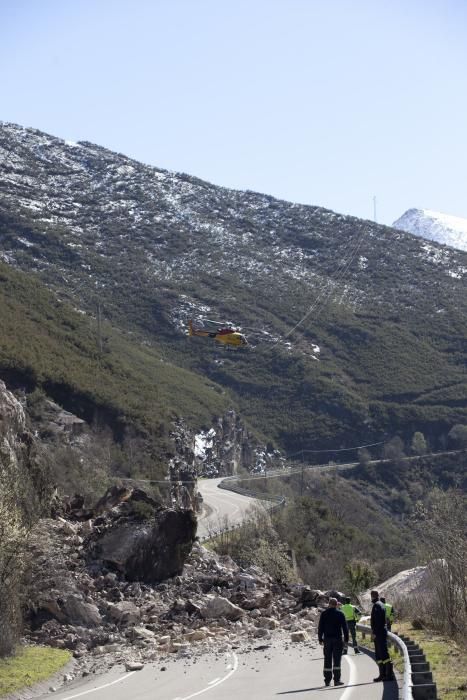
point(320, 102)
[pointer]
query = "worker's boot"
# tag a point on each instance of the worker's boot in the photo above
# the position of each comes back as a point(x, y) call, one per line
point(382, 674)
point(389, 676)
point(337, 678)
point(356, 649)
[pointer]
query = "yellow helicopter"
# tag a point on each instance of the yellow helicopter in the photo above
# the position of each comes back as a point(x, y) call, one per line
point(225, 334)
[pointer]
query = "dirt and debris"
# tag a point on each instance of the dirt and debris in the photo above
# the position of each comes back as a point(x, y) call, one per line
point(94, 606)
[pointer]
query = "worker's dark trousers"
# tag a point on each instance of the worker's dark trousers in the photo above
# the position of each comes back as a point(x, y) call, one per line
point(332, 659)
point(352, 625)
point(382, 657)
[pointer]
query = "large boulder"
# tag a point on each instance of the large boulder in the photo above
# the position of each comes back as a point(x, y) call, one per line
point(79, 612)
point(124, 613)
point(148, 550)
point(217, 606)
point(403, 585)
point(313, 598)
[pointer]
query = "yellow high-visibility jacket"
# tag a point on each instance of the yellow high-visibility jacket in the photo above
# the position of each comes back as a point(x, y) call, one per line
point(351, 612)
point(389, 612)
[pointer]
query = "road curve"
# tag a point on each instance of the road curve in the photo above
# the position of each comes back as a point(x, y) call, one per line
point(278, 671)
point(220, 505)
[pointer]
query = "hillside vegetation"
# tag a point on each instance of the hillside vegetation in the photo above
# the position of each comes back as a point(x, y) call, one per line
point(367, 514)
point(383, 350)
point(130, 385)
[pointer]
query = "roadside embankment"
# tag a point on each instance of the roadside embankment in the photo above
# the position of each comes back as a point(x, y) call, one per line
point(29, 666)
point(445, 658)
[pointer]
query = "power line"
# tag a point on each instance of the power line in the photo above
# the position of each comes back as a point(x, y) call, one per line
point(342, 269)
point(341, 449)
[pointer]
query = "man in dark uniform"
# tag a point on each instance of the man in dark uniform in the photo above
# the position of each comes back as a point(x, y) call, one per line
point(332, 626)
point(380, 638)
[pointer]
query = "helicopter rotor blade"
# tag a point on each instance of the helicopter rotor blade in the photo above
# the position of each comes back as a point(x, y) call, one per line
point(217, 323)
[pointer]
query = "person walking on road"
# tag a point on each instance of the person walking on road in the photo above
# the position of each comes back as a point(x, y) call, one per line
point(389, 613)
point(352, 616)
point(331, 628)
point(380, 638)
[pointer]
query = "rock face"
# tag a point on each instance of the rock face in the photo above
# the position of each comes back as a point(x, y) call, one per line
point(23, 493)
point(220, 450)
point(12, 421)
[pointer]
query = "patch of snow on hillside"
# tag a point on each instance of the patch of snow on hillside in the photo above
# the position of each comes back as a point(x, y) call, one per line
point(125, 170)
point(31, 204)
point(433, 254)
point(203, 442)
point(459, 274)
point(362, 262)
point(25, 242)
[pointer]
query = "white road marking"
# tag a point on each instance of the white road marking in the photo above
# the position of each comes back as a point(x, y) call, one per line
point(214, 681)
point(352, 678)
point(215, 684)
point(106, 685)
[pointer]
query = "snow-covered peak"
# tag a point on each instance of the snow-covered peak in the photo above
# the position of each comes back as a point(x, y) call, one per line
point(443, 228)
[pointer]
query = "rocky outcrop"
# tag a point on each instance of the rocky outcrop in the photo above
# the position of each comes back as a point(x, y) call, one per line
point(220, 450)
point(58, 423)
point(23, 495)
point(12, 422)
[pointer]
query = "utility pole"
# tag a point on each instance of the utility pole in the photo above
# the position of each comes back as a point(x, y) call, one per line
point(374, 209)
point(99, 327)
point(302, 473)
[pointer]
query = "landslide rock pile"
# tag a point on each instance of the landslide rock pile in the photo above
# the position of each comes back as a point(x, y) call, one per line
point(95, 590)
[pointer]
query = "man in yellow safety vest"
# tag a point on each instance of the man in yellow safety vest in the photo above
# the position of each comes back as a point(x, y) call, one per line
point(352, 616)
point(389, 613)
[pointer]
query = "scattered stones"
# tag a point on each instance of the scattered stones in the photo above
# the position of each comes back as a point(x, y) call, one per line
point(134, 666)
point(300, 636)
point(103, 618)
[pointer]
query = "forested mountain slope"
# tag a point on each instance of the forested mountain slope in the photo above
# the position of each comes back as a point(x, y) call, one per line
point(383, 350)
point(123, 384)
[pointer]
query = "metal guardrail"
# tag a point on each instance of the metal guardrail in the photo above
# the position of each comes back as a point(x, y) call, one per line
point(406, 690)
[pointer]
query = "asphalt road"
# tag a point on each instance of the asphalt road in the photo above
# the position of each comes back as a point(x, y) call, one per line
point(279, 671)
point(220, 505)
point(259, 672)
